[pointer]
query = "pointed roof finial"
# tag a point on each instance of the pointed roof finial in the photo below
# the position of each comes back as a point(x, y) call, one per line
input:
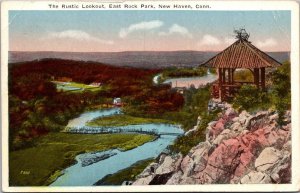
point(241, 34)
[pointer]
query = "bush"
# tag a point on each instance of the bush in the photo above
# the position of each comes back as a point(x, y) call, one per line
point(278, 95)
point(281, 79)
point(250, 98)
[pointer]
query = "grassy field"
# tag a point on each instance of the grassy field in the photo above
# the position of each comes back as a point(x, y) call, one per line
point(40, 165)
point(122, 120)
point(127, 174)
point(78, 86)
point(182, 72)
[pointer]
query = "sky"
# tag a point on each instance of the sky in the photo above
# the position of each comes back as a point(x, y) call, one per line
point(130, 30)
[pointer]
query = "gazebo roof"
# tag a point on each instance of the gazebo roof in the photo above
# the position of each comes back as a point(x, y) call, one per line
point(241, 54)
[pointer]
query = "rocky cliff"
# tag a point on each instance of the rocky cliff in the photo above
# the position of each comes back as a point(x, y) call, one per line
point(239, 148)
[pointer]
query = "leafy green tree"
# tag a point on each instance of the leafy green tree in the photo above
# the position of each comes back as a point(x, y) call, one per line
point(281, 79)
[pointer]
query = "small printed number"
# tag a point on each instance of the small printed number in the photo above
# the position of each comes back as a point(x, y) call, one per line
point(25, 172)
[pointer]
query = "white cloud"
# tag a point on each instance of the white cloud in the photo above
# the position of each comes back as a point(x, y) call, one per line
point(78, 35)
point(229, 40)
point(177, 29)
point(267, 43)
point(142, 26)
point(209, 40)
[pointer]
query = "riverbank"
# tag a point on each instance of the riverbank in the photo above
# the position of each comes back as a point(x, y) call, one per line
point(127, 174)
point(56, 151)
point(91, 171)
point(123, 120)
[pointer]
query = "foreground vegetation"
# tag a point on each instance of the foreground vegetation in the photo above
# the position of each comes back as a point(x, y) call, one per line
point(55, 151)
point(127, 174)
point(277, 95)
point(123, 120)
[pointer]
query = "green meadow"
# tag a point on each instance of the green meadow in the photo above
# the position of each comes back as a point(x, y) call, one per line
point(78, 87)
point(41, 164)
point(123, 120)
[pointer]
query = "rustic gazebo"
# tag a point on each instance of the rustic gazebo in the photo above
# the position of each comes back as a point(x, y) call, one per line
point(240, 55)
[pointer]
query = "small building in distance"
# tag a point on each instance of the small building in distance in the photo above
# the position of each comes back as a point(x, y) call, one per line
point(240, 55)
point(180, 89)
point(96, 84)
point(117, 102)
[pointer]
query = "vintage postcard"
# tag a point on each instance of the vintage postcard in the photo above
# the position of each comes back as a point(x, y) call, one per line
point(150, 96)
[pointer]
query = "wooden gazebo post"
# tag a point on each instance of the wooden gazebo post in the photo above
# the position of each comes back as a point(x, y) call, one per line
point(256, 77)
point(263, 78)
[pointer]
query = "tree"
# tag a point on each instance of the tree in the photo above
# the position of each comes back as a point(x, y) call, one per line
point(281, 79)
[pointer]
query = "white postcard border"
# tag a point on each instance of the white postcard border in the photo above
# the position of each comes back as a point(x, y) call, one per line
point(215, 5)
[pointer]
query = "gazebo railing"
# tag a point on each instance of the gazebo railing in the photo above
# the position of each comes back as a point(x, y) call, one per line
point(227, 90)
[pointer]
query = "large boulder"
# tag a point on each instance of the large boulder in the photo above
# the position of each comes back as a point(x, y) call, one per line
point(159, 173)
point(175, 179)
point(281, 172)
point(267, 159)
point(242, 118)
point(225, 134)
point(257, 121)
point(237, 127)
point(256, 178)
point(200, 157)
point(143, 181)
point(170, 164)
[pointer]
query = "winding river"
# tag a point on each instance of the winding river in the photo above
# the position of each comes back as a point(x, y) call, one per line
point(187, 82)
point(82, 174)
point(92, 167)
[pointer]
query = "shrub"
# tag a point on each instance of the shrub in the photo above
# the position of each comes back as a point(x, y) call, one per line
point(250, 98)
point(278, 95)
point(281, 79)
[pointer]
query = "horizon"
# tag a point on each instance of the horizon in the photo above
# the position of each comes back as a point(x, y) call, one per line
point(152, 31)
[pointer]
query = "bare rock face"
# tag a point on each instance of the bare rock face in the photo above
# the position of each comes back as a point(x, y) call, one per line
point(196, 161)
point(144, 181)
point(169, 165)
point(226, 134)
point(256, 178)
point(267, 159)
point(159, 173)
point(239, 148)
point(175, 179)
point(147, 175)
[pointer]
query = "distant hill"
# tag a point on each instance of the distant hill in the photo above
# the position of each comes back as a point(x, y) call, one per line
point(140, 59)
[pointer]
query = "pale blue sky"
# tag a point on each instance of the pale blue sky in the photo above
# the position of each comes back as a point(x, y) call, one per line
point(171, 30)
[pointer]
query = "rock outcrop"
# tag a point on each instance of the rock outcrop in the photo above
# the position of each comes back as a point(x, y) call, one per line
point(239, 148)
